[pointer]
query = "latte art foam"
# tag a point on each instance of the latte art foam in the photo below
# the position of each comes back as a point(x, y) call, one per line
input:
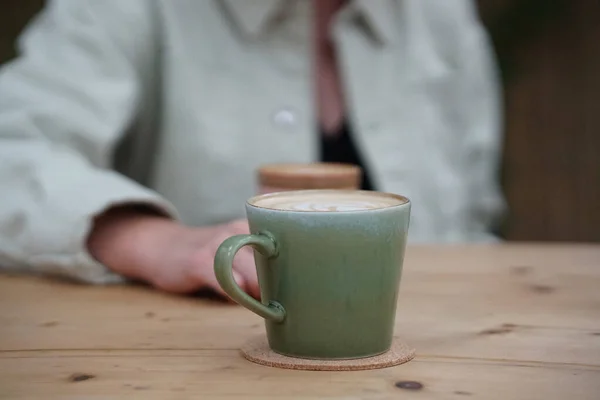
point(327, 201)
point(328, 205)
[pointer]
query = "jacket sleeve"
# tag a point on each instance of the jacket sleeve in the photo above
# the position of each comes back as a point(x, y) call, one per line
point(480, 116)
point(64, 105)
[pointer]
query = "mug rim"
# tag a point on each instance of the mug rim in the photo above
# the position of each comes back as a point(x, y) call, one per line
point(404, 200)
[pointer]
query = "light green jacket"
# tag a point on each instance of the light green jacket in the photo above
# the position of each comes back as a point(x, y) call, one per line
point(176, 102)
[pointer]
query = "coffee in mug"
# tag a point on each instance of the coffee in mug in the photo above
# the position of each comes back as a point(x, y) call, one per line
point(329, 264)
point(301, 176)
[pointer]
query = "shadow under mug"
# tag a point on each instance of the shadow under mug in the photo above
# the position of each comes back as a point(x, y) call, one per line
point(328, 280)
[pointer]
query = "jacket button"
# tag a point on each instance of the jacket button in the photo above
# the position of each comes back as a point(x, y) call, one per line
point(285, 118)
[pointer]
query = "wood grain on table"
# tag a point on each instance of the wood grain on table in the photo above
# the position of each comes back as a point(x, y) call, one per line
point(491, 322)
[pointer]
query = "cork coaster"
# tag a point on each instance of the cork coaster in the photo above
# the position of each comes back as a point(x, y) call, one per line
point(258, 351)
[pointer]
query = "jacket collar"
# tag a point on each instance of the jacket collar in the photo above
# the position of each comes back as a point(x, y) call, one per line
point(253, 16)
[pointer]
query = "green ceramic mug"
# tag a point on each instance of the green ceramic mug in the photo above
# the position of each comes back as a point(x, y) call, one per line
point(329, 264)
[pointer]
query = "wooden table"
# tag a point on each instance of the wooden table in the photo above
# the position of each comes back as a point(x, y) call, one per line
point(492, 322)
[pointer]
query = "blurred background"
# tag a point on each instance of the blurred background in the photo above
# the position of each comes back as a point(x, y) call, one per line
point(549, 55)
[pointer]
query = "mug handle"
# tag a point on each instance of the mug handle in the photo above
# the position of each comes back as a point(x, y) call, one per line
point(265, 245)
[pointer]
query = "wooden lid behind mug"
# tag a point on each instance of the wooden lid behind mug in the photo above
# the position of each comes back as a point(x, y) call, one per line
point(310, 176)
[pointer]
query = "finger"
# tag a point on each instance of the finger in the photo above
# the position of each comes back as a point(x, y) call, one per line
point(239, 279)
point(214, 284)
point(245, 266)
point(210, 281)
point(204, 277)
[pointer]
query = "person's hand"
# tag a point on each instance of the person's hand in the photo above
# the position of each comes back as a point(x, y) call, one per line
point(168, 255)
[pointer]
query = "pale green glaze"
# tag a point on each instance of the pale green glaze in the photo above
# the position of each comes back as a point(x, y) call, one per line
point(329, 280)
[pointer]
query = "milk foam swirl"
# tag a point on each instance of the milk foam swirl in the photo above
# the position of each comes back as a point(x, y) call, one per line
point(327, 201)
